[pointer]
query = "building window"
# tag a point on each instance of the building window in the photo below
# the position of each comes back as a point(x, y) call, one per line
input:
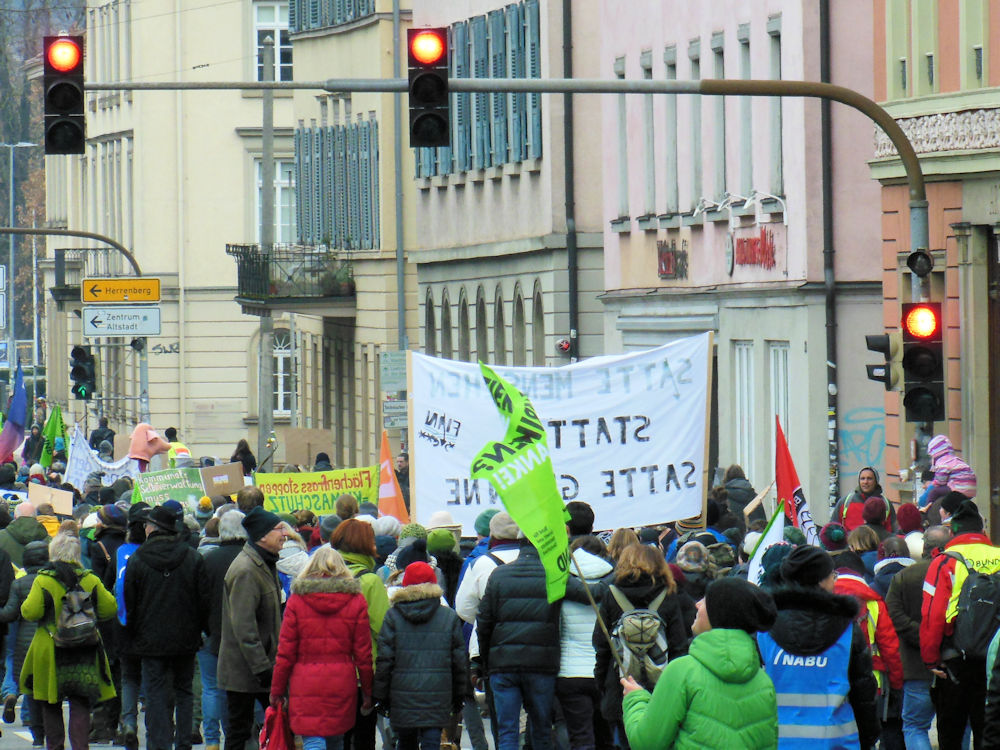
point(464, 352)
point(519, 344)
point(623, 209)
point(284, 200)
point(499, 330)
point(744, 404)
point(284, 371)
point(778, 366)
point(777, 176)
point(719, 63)
point(694, 55)
point(482, 337)
point(537, 330)
point(270, 19)
point(446, 350)
point(430, 327)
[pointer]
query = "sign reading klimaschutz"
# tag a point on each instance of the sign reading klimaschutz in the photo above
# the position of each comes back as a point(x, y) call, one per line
point(121, 320)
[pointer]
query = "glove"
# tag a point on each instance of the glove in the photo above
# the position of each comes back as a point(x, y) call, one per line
point(264, 678)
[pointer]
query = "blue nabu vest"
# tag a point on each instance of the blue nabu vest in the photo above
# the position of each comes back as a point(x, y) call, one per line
point(812, 695)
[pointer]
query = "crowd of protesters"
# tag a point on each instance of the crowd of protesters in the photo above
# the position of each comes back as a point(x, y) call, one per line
point(365, 628)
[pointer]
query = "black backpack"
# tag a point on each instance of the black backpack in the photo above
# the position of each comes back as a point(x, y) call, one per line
point(76, 624)
point(978, 615)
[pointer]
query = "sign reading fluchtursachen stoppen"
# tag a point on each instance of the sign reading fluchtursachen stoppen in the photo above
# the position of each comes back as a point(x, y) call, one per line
point(119, 320)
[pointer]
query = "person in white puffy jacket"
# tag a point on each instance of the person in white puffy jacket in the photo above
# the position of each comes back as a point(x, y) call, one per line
point(576, 688)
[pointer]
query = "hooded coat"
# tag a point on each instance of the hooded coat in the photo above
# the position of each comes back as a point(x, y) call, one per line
point(716, 696)
point(886, 641)
point(18, 533)
point(739, 494)
point(810, 621)
point(166, 596)
point(35, 557)
point(324, 648)
point(362, 567)
point(577, 620)
point(422, 668)
point(640, 593)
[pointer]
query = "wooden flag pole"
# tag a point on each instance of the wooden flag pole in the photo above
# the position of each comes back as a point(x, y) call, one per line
point(600, 621)
point(752, 505)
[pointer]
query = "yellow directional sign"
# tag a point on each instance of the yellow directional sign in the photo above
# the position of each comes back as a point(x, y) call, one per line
point(121, 290)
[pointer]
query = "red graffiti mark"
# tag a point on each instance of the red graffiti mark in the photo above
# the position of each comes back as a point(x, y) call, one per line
point(757, 250)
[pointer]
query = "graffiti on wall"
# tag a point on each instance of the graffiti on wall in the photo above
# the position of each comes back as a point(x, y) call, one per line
point(862, 440)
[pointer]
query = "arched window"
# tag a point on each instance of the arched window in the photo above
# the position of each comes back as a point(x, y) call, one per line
point(430, 327)
point(537, 329)
point(284, 371)
point(518, 342)
point(499, 339)
point(463, 328)
point(446, 350)
point(482, 340)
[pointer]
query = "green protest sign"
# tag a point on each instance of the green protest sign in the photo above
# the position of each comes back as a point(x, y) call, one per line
point(156, 487)
point(520, 469)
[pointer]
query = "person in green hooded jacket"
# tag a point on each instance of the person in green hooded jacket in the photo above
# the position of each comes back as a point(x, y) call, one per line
point(717, 695)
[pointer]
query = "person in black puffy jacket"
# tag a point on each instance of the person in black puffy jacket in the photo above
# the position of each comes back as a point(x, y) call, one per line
point(421, 668)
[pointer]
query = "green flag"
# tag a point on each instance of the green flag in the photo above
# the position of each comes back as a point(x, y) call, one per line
point(520, 469)
point(53, 429)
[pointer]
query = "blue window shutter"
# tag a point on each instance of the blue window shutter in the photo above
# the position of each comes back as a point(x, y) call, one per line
point(340, 194)
point(480, 69)
point(293, 15)
point(299, 185)
point(317, 185)
point(339, 11)
point(374, 164)
point(321, 196)
point(307, 187)
point(461, 110)
point(313, 14)
point(533, 39)
point(445, 152)
point(364, 193)
point(498, 69)
point(326, 163)
point(515, 34)
point(353, 198)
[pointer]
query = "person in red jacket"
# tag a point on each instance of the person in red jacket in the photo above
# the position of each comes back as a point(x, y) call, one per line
point(959, 692)
point(324, 648)
point(876, 625)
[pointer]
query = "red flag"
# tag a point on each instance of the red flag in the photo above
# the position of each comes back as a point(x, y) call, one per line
point(390, 496)
point(790, 489)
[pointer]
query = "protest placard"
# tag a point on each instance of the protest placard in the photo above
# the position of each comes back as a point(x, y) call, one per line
point(626, 433)
point(318, 490)
point(60, 500)
point(224, 479)
point(156, 487)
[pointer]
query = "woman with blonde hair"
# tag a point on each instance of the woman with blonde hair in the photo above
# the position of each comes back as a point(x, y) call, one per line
point(53, 673)
point(324, 649)
point(864, 542)
point(642, 581)
point(620, 539)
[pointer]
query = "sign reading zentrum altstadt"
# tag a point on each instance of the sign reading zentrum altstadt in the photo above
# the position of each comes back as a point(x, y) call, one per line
point(120, 320)
point(123, 289)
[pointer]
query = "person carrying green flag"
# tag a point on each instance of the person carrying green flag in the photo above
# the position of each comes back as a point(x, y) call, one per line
point(520, 469)
point(54, 428)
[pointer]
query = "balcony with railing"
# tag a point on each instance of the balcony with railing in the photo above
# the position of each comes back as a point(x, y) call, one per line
point(298, 278)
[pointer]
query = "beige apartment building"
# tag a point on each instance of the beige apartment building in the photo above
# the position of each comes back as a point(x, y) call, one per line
point(175, 176)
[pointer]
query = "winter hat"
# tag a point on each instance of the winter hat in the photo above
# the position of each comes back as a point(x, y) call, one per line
point(750, 541)
point(259, 522)
point(412, 530)
point(174, 506)
point(649, 535)
point(326, 526)
point(915, 544)
point(60, 444)
point(107, 495)
point(793, 535)
point(874, 510)
point(165, 517)
point(938, 445)
point(386, 526)
point(689, 524)
point(415, 552)
point(205, 509)
point(734, 603)
point(111, 515)
point(384, 546)
point(482, 524)
point(966, 519)
point(36, 470)
point(22, 472)
point(833, 537)
point(770, 564)
point(90, 521)
point(370, 520)
point(368, 508)
point(807, 565)
point(440, 540)
point(417, 573)
point(137, 512)
point(693, 558)
point(908, 517)
point(502, 526)
point(952, 500)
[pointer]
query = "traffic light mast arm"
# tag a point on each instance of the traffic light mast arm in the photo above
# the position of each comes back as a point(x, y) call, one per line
point(77, 233)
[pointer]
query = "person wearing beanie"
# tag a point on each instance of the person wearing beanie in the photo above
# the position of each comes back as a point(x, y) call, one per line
point(960, 691)
point(251, 621)
point(324, 653)
point(232, 537)
point(422, 668)
point(482, 527)
point(204, 511)
point(368, 509)
point(442, 545)
point(322, 462)
point(717, 695)
point(893, 558)
point(873, 512)
point(502, 548)
point(903, 602)
point(950, 469)
point(408, 534)
point(818, 658)
point(166, 597)
point(327, 524)
point(355, 540)
point(850, 510)
point(833, 537)
point(23, 529)
point(909, 519)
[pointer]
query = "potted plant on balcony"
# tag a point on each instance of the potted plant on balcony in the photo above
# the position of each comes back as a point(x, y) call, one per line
point(345, 280)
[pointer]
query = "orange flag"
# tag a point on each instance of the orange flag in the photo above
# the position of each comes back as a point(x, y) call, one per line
point(390, 497)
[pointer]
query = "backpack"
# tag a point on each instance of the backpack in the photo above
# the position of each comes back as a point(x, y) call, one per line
point(640, 638)
point(978, 615)
point(76, 624)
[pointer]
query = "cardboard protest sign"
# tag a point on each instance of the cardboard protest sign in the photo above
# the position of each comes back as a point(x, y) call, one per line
point(156, 487)
point(60, 500)
point(226, 479)
point(318, 490)
point(626, 433)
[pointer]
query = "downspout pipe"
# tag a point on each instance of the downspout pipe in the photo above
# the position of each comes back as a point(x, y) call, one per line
point(569, 181)
point(829, 279)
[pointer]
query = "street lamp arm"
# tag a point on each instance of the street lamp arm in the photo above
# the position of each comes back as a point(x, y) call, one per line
point(77, 233)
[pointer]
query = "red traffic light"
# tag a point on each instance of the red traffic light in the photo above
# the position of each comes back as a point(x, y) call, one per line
point(63, 55)
point(922, 321)
point(427, 47)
